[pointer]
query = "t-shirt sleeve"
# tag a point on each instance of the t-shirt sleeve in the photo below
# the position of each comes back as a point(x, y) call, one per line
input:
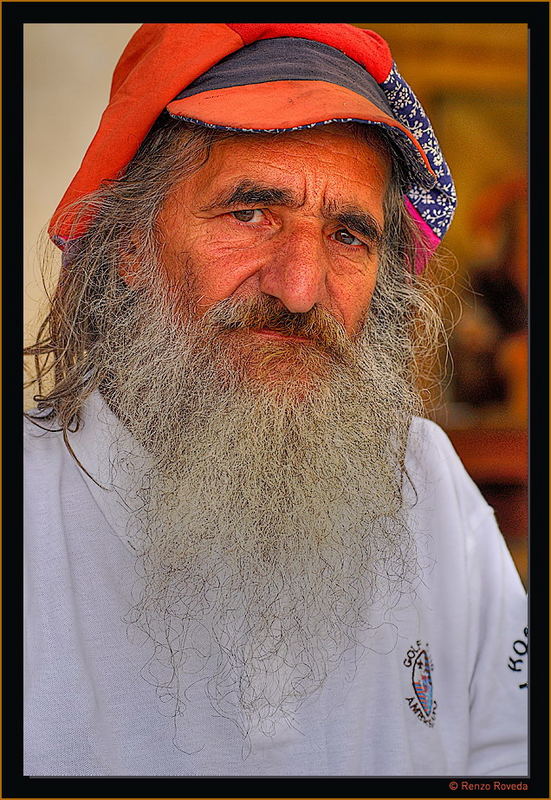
point(489, 589)
point(499, 642)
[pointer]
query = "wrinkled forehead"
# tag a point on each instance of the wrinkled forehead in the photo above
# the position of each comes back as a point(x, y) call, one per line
point(339, 163)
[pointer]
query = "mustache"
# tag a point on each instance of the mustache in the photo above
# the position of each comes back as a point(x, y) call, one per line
point(317, 325)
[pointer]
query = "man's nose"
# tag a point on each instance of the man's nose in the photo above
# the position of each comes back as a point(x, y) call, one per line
point(297, 269)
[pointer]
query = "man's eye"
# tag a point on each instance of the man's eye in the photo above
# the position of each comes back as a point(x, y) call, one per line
point(248, 215)
point(345, 237)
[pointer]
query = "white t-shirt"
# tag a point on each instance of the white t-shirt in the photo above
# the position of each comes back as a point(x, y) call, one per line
point(439, 690)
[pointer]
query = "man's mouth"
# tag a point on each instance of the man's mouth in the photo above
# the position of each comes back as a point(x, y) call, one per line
point(271, 334)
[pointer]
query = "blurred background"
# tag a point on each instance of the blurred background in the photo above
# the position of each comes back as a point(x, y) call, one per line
point(472, 80)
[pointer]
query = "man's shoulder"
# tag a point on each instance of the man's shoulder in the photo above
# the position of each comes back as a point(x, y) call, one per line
point(42, 440)
point(40, 426)
point(427, 440)
point(80, 452)
point(435, 467)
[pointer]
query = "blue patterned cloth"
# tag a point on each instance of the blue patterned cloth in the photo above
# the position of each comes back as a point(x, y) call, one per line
point(437, 205)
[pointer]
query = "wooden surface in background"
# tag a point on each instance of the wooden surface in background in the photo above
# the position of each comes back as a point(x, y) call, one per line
point(493, 456)
point(497, 461)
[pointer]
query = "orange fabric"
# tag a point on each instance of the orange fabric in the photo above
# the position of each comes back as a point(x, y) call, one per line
point(283, 104)
point(162, 59)
point(156, 64)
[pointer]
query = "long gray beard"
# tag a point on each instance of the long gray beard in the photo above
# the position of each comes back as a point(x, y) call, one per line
point(270, 517)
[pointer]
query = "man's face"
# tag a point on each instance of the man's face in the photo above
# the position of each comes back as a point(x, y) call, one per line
point(297, 216)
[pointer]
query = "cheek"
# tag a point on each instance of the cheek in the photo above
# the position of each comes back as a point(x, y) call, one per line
point(352, 296)
point(213, 265)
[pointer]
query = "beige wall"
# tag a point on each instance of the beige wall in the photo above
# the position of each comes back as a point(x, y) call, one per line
point(67, 78)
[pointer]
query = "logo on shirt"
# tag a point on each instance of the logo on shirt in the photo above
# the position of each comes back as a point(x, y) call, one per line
point(421, 702)
point(517, 660)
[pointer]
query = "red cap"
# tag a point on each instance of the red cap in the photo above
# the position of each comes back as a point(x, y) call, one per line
point(161, 60)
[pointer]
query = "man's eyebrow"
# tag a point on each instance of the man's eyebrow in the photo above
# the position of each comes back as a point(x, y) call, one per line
point(359, 221)
point(248, 193)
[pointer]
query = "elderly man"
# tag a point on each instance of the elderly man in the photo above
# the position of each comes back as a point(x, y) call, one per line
point(247, 554)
